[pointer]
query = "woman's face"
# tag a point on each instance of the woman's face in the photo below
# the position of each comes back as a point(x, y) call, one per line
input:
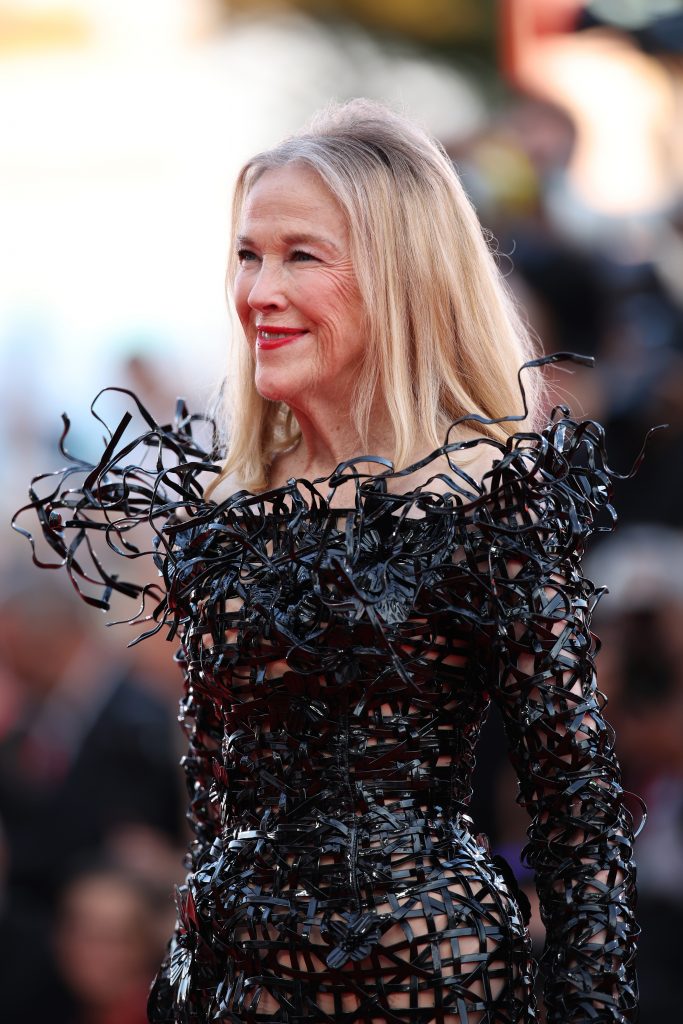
point(296, 291)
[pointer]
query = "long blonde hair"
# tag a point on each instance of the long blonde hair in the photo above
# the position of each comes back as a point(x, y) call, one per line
point(444, 338)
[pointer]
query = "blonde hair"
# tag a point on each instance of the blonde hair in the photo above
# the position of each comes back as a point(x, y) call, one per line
point(444, 338)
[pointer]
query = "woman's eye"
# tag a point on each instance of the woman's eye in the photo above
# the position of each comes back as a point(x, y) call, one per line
point(300, 255)
point(246, 255)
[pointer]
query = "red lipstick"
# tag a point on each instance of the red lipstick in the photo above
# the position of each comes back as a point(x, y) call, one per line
point(269, 336)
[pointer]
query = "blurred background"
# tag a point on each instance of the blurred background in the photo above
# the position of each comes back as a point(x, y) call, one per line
point(122, 126)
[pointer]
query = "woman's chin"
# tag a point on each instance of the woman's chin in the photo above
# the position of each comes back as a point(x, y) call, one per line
point(275, 389)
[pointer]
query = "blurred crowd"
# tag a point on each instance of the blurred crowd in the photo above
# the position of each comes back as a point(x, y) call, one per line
point(91, 797)
point(91, 811)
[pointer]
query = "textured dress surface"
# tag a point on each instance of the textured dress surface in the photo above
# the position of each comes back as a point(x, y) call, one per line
point(339, 664)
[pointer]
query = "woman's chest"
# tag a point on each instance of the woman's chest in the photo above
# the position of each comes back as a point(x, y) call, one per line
point(266, 601)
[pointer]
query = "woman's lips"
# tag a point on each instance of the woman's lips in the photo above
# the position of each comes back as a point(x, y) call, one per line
point(276, 337)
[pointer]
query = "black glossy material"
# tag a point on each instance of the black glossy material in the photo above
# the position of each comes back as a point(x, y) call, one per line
point(339, 664)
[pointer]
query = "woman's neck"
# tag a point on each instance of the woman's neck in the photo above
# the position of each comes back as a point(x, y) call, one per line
point(329, 438)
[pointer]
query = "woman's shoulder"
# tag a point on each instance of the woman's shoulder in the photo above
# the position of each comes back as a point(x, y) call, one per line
point(549, 488)
point(469, 456)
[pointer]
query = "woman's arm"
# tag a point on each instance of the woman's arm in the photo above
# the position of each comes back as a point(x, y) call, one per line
point(580, 839)
point(581, 836)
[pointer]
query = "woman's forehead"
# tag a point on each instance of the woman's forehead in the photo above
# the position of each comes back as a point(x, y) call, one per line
point(293, 199)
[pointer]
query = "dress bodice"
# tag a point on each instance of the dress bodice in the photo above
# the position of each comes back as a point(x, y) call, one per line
point(345, 657)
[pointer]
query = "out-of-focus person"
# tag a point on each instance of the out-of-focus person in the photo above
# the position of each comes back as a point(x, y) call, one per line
point(106, 944)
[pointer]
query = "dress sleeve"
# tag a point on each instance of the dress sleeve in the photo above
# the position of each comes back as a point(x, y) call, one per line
point(549, 494)
point(142, 499)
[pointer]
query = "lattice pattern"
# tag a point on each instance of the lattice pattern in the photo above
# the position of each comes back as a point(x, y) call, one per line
point(339, 665)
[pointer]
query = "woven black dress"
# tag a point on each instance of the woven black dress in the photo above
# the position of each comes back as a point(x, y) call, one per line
point(339, 664)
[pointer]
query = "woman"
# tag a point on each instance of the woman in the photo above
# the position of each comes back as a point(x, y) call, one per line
point(342, 638)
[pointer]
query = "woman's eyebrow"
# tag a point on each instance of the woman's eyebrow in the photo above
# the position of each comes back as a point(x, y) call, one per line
point(301, 238)
point(297, 238)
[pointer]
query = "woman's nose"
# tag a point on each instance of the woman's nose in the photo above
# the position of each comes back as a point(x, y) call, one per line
point(267, 291)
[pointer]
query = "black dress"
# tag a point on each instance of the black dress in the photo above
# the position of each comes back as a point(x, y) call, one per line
point(339, 665)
